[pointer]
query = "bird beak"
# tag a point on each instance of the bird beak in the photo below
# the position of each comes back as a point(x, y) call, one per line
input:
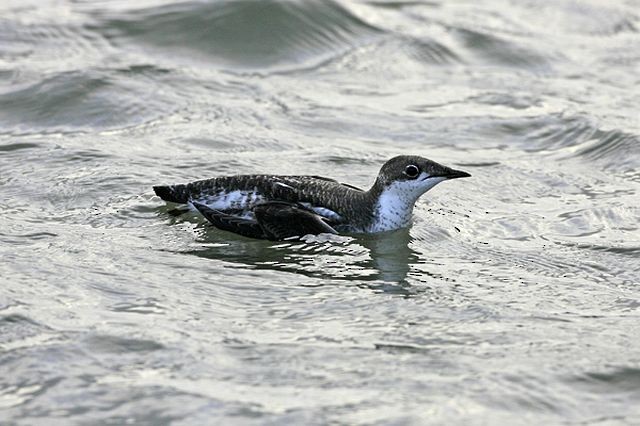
point(455, 174)
point(448, 173)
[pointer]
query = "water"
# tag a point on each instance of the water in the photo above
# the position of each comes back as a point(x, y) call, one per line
point(513, 299)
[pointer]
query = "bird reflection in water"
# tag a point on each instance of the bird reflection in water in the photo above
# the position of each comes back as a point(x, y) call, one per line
point(380, 262)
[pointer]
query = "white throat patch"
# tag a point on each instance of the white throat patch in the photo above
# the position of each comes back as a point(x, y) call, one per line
point(395, 205)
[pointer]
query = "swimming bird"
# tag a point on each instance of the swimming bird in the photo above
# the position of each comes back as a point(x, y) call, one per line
point(281, 207)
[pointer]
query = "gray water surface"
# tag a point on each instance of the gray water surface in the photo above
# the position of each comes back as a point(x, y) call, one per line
point(513, 299)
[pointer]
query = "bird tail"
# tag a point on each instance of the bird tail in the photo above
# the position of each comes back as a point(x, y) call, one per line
point(173, 193)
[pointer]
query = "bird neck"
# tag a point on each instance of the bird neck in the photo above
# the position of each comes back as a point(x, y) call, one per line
point(392, 206)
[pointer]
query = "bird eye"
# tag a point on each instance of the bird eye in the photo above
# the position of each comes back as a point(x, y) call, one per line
point(412, 171)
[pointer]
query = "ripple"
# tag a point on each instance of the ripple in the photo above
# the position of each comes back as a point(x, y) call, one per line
point(241, 34)
point(589, 18)
point(18, 332)
point(147, 306)
point(406, 55)
point(515, 101)
point(426, 50)
point(119, 345)
point(576, 137)
point(618, 380)
point(496, 50)
point(25, 239)
point(17, 146)
point(81, 101)
point(613, 145)
point(49, 46)
point(16, 327)
point(631, 251)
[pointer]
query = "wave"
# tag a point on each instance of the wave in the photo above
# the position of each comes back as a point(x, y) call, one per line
point(575, 137)
point(243, 34)
point(494, 50)
point(283, 35)
point(87, 100)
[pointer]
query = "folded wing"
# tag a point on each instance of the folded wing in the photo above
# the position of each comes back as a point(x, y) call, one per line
point(276, 220)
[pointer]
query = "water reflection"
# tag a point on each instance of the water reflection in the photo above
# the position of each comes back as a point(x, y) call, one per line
point(391, 255)
point(380, 262)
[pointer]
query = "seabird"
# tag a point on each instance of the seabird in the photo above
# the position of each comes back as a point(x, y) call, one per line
point(276, 207)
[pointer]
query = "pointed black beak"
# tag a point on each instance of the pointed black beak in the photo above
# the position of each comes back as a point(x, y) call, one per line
point(435, 170)
point(448, 173)
point(455, 174)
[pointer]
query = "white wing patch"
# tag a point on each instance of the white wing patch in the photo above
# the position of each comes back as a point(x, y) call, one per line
point(323, 211)
point(244, 202)
point(284, 185)
point(232, 200)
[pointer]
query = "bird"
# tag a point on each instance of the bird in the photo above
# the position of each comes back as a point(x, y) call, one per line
point(282, 207)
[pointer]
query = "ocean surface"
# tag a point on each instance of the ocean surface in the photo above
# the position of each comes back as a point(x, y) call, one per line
point(514, 298)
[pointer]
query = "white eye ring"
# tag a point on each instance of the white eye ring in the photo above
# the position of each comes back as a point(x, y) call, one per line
point(412, 171)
